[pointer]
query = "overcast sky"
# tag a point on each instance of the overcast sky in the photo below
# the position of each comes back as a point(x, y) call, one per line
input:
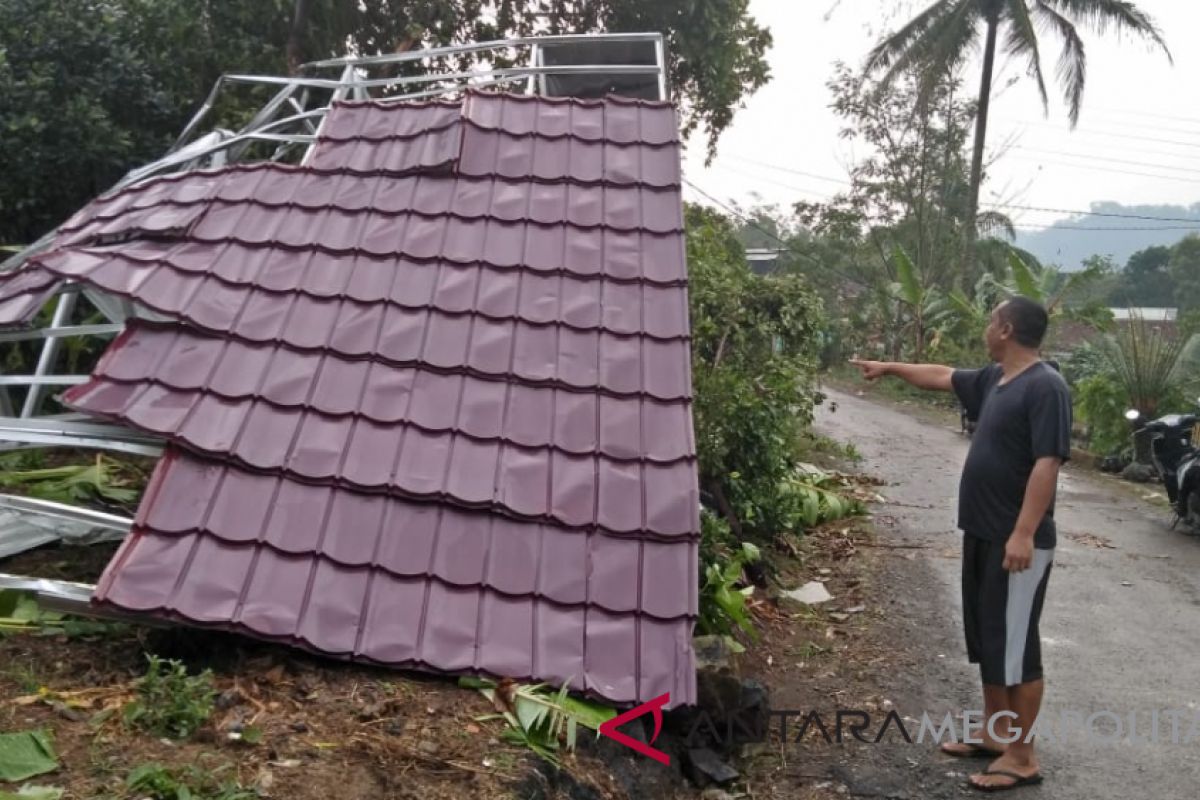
point(1137, 108)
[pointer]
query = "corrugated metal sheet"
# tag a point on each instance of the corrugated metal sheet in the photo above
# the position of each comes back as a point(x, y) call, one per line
point(625, 464)
point(410, 584)
point(430, 395)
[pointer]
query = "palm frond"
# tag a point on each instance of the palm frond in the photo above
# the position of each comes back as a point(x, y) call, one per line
point(1072, 63)
point(941, 46)
point(884, 54)
point(539, 717)
point(1023, 277)
point(1123, 15)
point(1097, 15)
point(989, 223)
point(1022, 42)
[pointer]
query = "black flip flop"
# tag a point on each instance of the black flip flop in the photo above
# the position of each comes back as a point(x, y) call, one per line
point(976, 751)
point(1019, 781)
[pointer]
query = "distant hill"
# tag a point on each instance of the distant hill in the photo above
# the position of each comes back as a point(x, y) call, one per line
point(1067, 248)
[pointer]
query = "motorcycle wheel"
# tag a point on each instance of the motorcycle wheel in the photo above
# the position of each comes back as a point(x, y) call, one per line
point(1192, 521)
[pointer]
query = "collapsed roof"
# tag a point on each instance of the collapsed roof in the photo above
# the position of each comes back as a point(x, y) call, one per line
point(428, 395)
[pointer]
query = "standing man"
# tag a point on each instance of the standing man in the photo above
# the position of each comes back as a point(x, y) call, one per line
point(1006, 512)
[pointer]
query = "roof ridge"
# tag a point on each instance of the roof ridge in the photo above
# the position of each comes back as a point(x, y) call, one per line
point(609, 98)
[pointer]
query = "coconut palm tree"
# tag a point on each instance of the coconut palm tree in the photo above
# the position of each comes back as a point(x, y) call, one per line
point(939, 39)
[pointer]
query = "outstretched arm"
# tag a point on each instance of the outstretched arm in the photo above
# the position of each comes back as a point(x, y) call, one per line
point(924, 376)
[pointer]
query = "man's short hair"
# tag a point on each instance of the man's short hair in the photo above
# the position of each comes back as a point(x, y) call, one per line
point(1028, 318)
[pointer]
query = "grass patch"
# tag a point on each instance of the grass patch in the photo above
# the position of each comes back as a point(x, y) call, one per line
point(826, 452)
point(170, 702)
point(190, 782)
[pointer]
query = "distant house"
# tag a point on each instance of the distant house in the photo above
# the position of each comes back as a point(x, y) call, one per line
point(1067, 335)
point(1161, 315)
point(763, 260)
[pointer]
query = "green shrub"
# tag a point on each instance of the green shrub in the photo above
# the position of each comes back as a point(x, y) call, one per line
point(158, 782)
point(722, 604)
point(755, 347)
point(1100, 403)
point(170, 702)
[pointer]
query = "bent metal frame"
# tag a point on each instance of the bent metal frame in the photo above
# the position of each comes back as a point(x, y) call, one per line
point(287, 125)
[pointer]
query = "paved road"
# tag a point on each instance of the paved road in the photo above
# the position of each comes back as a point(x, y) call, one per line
point(1121, 628)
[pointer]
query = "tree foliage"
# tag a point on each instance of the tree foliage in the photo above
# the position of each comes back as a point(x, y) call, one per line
point(755, 342)
point(72, 109)
point(92, 88)
point(895, 232)
point(939, 40)
point(1184, 267)
point(911, 188)
point(1146, 280)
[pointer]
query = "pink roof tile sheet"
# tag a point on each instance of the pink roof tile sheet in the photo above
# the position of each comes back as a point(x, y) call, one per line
point(621, 463)
point(414, 584)
point(428, 395)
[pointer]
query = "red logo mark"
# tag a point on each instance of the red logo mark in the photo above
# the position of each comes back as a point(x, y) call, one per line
point(654, 706)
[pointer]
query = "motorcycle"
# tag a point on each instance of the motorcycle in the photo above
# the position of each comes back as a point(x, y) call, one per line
point(968, 424)
point(1175, 457)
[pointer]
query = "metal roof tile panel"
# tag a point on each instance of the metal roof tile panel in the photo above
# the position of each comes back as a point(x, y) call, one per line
point(406, 584)
point(239, 247)
point(375, 119)
point(19, 308)
point(436, 405)
point(616, 120)
point(391, 202)
point(22, 281)
point(539, 483)
point(499, 154)
point(552, 353)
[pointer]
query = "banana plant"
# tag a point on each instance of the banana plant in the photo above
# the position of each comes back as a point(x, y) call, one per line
point(928, 309)
point(1045, 284)
point(1054, 289)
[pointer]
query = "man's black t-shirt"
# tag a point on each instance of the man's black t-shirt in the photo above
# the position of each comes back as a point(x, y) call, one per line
point(1025, 419)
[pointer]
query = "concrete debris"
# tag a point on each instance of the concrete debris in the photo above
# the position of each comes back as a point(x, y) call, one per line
point(811, 593)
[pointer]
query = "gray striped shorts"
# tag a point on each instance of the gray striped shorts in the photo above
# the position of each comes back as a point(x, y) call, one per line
point(1001, 612)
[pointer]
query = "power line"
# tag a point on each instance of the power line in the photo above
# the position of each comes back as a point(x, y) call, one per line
point(1157, 127)
point(1137, 113)
point(1092, 213)
point(1150, 164)
point(1114, 170)
point(819, 194)
point(1009, 205)
point(813, 175)
point(1114, 153)
point(1029, 227)
point(1114, 135)
point(1015, 206)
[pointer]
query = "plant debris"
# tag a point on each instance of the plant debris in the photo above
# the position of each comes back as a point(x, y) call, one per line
point(1091, 540)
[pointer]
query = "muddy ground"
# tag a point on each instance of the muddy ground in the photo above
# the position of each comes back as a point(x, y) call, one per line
point(328, 729)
